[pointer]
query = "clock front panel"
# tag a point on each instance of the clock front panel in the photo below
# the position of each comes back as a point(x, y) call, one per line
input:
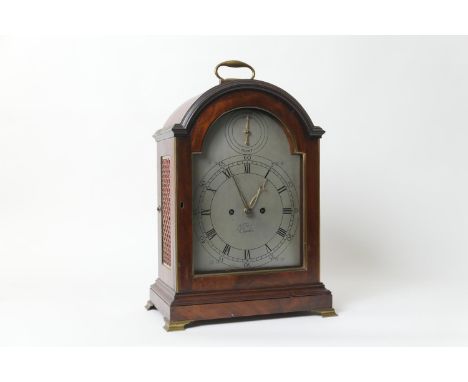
point(247, 210)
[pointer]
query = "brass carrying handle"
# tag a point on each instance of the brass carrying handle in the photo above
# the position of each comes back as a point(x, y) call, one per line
point(233, 64)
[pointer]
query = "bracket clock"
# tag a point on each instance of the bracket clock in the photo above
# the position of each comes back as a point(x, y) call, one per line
point(238, 206)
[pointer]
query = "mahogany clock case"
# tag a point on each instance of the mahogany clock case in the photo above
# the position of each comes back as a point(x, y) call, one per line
point(183, 296)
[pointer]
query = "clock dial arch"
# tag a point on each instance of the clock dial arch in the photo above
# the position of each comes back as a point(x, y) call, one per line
point(246, 207)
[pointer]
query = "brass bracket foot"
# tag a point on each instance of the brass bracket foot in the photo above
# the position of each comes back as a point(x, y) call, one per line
point(325, 312)
point(149, 305)
point(172, 326)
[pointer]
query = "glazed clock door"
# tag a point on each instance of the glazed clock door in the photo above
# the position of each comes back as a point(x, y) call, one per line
point(247, 196)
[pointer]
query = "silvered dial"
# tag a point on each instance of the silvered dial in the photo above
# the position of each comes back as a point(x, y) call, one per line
point(246, 207)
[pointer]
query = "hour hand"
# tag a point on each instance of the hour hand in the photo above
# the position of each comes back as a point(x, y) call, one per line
point(253, 201)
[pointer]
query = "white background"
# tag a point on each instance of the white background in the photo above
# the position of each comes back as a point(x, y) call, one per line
point(78, 185)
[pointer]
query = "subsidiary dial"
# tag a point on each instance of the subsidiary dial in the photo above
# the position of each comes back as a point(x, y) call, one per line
point(246, 132)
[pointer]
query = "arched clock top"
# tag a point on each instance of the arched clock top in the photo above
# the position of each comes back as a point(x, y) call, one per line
point(246, 93)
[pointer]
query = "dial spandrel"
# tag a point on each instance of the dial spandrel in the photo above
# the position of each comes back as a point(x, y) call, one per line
point(246, 196)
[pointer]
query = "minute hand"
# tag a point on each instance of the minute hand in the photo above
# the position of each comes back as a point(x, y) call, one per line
point(246, 206)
